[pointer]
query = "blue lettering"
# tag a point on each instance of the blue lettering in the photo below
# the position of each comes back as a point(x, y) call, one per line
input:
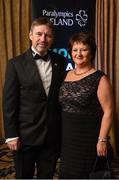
point(63, 52)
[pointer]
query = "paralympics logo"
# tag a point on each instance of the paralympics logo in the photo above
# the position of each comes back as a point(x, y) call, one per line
point(66, 18)
point(82, 18)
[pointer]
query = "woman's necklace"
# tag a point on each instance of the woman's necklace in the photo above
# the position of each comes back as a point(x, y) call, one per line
point(77, 74)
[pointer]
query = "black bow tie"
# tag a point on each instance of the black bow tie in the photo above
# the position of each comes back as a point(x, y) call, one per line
point(44, 58)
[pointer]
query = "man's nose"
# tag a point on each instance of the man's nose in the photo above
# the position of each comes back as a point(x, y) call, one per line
point(43, 37)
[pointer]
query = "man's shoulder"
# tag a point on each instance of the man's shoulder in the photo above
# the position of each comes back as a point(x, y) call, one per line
point(19, 57)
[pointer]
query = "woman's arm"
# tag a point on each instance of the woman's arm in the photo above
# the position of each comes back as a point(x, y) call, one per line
point(106, 100)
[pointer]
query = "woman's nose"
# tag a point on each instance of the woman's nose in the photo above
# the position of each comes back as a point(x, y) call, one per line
point(79, 52)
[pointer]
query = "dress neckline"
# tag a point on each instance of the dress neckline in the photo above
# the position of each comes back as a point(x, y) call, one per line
point(82, 78)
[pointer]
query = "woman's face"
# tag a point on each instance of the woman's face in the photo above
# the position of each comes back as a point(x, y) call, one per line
point(81, 54)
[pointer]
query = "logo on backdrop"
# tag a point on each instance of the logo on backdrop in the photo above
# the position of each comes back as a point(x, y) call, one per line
point(66, 18)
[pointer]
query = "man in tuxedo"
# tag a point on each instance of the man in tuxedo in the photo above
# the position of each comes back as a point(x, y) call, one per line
point(30, 104)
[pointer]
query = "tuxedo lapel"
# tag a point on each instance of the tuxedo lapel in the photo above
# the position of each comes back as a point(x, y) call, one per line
point(32, 71)
point(55, 67)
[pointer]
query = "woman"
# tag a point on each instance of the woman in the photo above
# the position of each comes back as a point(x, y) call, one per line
point(87, 110)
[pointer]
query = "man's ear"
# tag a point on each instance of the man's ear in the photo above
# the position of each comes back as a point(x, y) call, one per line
point(30, 35)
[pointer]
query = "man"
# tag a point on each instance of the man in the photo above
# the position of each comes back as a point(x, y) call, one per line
point(30, 104)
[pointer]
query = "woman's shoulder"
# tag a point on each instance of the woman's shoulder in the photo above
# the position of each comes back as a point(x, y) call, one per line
point(104, 79)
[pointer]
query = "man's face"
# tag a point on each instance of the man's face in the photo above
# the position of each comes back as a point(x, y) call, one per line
point(42, 38)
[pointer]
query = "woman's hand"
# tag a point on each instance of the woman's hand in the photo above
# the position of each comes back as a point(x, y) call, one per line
point(101, 148)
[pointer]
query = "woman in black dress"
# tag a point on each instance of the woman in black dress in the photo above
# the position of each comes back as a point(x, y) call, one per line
point(87, 110)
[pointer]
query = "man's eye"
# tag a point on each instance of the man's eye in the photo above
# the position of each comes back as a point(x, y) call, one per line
point(49, 35)
point(38, 34)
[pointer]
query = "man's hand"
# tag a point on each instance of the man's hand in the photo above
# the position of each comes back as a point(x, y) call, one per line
point(14, 145)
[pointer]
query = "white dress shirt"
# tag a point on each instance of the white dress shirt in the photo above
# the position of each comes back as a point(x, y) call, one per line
point(45, 71)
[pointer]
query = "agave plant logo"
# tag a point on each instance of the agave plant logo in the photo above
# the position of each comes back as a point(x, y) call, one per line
point(81, 18)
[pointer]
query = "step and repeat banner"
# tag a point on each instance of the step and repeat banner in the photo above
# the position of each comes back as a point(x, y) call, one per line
point(68, 17)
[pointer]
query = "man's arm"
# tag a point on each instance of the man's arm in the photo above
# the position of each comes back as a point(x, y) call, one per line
point(10, 101)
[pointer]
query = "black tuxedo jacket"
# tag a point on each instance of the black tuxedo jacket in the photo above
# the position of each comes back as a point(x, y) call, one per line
point(28, 112)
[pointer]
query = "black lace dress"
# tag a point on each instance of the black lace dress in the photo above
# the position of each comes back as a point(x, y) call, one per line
point(81, 120)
